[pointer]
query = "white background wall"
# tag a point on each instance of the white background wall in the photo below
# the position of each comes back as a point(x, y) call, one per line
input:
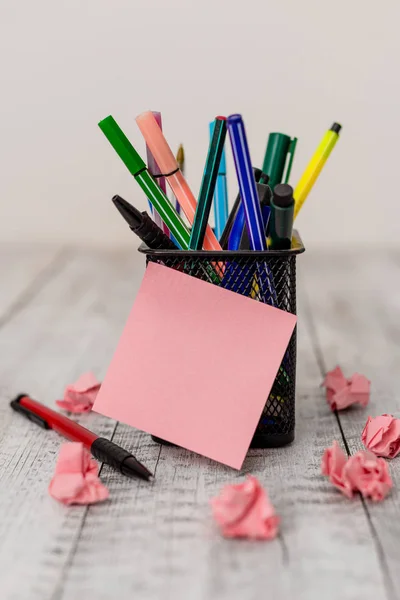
point(291, 65)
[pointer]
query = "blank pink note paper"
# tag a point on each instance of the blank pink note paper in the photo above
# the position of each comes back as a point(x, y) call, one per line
point(195, 364)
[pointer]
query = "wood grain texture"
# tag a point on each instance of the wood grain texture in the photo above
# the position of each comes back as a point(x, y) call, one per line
point(71, 325)
point(356, 315)
point(165, 544)
point(152, 541)
point(22, 273)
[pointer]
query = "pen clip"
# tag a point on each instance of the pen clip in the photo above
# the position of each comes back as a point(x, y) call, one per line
point(17, 406)
point(292, 148)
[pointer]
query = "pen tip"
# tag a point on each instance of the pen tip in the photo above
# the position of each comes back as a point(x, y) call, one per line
point(131, 215)
point(133, 468)
point(180, 155)
point(336, 127)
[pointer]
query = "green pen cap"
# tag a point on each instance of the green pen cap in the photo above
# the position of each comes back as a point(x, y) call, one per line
point(278, 147)
point(122, 146)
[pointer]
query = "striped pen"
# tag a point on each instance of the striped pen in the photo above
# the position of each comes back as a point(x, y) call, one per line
point(251, 204)
point(180, 159)
point(167, 162)
point(137, 167)
point(208, 184)
point(155, 172)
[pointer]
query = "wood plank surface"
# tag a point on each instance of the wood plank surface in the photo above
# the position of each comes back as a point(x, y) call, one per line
point(158, 540)
point(22, 272)
point(71, 325)
point(356, 314)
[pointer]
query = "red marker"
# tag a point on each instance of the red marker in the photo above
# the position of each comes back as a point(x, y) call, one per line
point(101, 448)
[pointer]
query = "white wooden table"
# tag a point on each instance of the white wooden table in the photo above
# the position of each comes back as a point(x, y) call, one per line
point(61, 313)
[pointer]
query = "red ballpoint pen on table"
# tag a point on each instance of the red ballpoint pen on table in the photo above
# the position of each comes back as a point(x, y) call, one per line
point(101, 448)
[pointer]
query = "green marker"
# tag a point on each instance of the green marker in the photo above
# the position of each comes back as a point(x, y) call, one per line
point(137, 167)
point(208, 184)
point(278, 147)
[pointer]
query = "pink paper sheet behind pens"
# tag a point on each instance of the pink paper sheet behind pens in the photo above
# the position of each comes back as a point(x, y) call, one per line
point(195, 364)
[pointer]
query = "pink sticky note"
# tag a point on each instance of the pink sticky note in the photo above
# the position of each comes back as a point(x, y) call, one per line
point(195, 364)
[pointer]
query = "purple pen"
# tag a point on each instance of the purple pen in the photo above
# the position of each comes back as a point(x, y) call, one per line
point(155, 172)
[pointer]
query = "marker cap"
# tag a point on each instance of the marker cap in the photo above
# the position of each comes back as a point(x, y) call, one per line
point(336, 127)
point(122, 145)
point(275, 158)
point(283, 195)
point(236, 118)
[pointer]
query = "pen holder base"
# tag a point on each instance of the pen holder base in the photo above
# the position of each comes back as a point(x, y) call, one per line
point(269, 440)
point(270, 277)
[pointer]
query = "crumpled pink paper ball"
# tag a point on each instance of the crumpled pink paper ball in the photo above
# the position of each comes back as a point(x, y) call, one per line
point(244, 511)
point(369, 475)
point(364, 472)
point(75, 480)
point(333, 463)
point(381, 435)
point(79, 397)
point(342, 393)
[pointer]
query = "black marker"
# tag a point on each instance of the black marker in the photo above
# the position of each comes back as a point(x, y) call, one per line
point(155, 239)
point(144, 227)
point(281, 219)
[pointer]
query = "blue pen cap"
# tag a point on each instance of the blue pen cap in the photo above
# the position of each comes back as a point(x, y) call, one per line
point(222, 164)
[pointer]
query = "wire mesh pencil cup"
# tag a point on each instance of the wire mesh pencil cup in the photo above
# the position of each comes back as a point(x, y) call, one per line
point(268, 277)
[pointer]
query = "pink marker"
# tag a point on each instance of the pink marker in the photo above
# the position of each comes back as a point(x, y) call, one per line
point(166, 161)
point(155, 171)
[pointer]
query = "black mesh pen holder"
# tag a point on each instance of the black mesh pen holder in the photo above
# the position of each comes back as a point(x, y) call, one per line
point(268, 277)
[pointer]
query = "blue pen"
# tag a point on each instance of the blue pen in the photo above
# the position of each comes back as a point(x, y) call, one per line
point(237, 229)
point(240, 278)
point(251, 204)
point(235, 240)
point(247, 184)
point(220, 194)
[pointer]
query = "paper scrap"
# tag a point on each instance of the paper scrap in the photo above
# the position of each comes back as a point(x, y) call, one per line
point(363, 472)
point(381, 435)
point(195, 364)
point(342, 393)
point(75, 480)
point(369, 475)
point(333, 463)
point(244, 511)
point(79, 397)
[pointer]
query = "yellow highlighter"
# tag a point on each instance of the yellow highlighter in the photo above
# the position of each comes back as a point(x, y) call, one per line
point(314, 167)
